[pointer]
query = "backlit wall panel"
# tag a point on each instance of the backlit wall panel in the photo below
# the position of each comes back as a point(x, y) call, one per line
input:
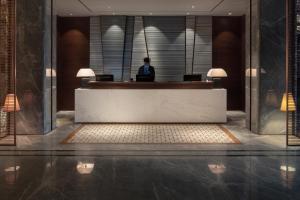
point(113, 36)
point(96, 52)
point(165, 38)
point(203, 46)
point(139, 48)
point(176, 45)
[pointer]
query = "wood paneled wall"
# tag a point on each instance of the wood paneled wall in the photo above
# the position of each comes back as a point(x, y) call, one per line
point(229, 54)
point(73, 54)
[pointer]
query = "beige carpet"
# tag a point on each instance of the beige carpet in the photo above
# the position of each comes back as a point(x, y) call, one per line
point(151, 134)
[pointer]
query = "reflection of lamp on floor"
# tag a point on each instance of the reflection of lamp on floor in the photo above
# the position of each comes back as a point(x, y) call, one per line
point(290, 106)
point(85, 74)
point(85, 168)
point(217, 168)
point(217, 74)
point(11, 174)
point(288, 175)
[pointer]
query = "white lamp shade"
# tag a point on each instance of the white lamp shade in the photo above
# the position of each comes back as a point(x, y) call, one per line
point(216, 73)
point(86, 72)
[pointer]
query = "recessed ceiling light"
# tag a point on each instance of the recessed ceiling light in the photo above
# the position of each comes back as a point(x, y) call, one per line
point(193, 6)
point(108, 7)
point(187, 13)
point(230, 13)
point(151, 13)
point(71, 14)
point(114, 13)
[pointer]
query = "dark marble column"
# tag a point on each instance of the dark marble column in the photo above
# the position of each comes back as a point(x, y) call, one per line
point(252, 65)
point(33, 64)
point(272, 64)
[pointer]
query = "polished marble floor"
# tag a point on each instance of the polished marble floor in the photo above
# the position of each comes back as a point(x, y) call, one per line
point(41, 168)
point(150, 177)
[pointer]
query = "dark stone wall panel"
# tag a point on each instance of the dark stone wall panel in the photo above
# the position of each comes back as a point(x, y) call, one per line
point(73, 54)
point(228, 51)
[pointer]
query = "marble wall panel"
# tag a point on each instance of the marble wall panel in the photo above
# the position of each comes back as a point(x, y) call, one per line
point(33, 59)
point(253, 71)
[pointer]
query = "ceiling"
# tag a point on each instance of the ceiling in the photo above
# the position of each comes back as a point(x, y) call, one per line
point(150, 7)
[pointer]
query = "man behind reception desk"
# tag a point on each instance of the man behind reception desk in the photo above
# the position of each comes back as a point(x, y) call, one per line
point(146, 72)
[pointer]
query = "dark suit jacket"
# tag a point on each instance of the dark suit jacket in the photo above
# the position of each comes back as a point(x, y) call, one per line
point(151, 70)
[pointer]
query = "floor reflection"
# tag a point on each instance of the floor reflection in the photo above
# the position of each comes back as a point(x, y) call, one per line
point(198, 177)
point(85, 168)
point(11, 174)
point(217, 168)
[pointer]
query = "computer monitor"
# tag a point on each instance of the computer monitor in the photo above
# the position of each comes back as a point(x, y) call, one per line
point(144, 78)
point(194, 77)
point(105, 77)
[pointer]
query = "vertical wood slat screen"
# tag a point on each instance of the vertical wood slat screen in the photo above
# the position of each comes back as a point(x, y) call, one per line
point(293, 117)
point(296, 71)
point(7, 69)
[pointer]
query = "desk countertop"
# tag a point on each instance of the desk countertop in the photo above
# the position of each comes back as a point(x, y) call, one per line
point(150, 85)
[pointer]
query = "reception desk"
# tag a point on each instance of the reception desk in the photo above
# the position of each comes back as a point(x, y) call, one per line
point(133, 102)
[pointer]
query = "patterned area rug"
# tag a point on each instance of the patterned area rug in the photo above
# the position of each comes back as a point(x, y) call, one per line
point(151, 134)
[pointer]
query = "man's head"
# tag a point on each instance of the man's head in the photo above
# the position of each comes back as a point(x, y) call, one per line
point(147, 60)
